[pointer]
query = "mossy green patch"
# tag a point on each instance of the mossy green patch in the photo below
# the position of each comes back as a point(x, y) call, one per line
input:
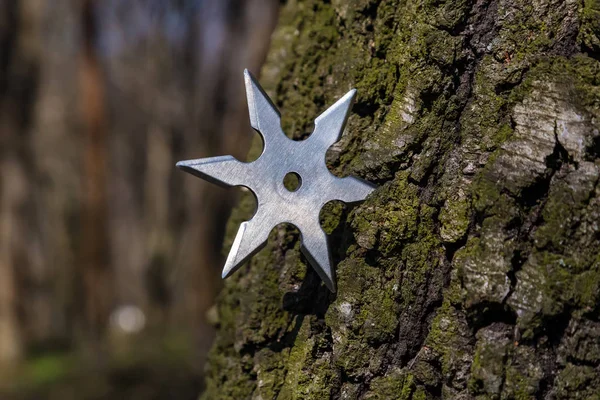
point(577, 381)
point(307, 377)
point(455, 217)
point(396, 385)
point(589, 33)
point(448, 336)
point(396, 223)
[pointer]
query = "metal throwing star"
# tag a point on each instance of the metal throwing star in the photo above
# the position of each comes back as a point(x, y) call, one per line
point(264, 177)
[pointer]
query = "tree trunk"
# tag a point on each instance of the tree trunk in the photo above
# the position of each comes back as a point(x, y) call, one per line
point(19, 59)
point(474, 269)
point(95, 267)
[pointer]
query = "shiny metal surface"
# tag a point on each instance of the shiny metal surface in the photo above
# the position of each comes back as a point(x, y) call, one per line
point(264, 177)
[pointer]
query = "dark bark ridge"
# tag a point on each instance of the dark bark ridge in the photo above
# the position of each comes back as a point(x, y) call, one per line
point(474, 269)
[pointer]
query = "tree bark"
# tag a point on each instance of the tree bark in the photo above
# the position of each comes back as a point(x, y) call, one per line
point(473, 271)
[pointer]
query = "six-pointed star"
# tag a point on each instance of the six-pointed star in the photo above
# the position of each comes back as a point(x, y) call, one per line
point(264, 177)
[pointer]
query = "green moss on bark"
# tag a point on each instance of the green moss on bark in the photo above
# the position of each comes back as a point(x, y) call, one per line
point(474, 269)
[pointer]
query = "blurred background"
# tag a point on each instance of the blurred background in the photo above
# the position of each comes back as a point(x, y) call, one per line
point(109, 256)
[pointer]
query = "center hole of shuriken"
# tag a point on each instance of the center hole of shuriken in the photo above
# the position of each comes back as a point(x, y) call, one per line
point(292, 181)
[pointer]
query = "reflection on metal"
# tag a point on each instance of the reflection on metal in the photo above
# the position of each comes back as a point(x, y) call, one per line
point(264, 177)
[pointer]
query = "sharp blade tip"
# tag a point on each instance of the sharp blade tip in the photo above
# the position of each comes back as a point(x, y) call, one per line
point(328, 277)
point(185, 166)
point(230, 266)
point(350, 95)
point(249, 77)
point(232, 263)
point(226, 272)
point(331, 286)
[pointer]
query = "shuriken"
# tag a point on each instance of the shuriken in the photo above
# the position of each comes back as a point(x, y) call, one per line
point(264, 177)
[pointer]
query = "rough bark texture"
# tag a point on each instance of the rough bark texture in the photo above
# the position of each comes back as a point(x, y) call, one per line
point(474, 270)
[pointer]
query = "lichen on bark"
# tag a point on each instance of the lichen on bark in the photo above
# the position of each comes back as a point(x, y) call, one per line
point(473, 271)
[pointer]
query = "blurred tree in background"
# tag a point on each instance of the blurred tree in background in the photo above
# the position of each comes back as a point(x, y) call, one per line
point(107, 252)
